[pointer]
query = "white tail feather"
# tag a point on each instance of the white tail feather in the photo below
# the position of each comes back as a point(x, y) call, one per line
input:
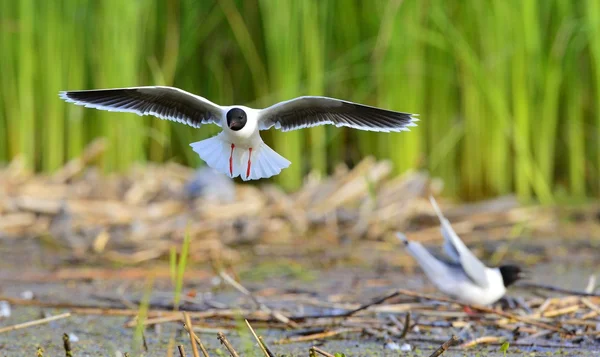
point(433, 268)
point(264, 162)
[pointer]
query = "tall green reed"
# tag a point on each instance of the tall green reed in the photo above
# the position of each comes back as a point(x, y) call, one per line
point(51, 39)
point(8, 83)
point(398, 62)
point(73, 70)
point(117, 60)
point(284, 71)
point(26, 132)
point(313, 49)
point(502, 88)
point(592, 22)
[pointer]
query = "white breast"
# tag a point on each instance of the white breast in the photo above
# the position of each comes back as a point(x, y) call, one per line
point(248, 136)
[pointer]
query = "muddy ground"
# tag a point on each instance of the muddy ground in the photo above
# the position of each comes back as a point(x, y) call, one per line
point(353, 273)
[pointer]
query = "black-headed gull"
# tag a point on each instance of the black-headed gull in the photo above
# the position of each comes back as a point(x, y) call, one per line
point(239, 150)
point(464, 277)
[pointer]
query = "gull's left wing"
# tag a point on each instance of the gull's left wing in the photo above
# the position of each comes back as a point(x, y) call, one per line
point(305, 112)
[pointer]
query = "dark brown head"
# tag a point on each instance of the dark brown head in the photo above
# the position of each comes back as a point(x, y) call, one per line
point(236, 119)
point(510, 274)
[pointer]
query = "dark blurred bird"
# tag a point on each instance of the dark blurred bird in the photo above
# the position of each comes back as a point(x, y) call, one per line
point(211, 185)
point(239, 150)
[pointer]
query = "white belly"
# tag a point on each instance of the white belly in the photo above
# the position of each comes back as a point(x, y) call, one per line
point(463, 289)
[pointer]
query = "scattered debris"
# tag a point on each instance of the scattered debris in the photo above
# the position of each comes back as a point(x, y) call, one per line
point(141, 215)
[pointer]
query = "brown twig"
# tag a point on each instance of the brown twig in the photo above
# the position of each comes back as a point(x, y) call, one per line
point(34, 322)
point(261, 344)
point(198, 341)
point(406, 325)
point(372, 303)
point(239, 287)
point(473, 307)
point(591, 305)
point(67, 345)
point(190, 328)
point(482, 340)
point(533, 337)
point(557, 289)
point(181, 351)
point(315, 349)
point(225, 342)
point(154, 320)
point(269, 352)
point(144, 342)
point(444, 347)
point(561, 311)
point(154, 313)
point(170, 346)
point(318, 336)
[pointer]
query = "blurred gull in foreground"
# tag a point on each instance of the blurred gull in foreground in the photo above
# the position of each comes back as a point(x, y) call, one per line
point(464, 277)
point(238, 150)
point(211, 185)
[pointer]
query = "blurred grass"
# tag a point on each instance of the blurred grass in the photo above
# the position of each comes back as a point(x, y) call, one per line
point(507, 90)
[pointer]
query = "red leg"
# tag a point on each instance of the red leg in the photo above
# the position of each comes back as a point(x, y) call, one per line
point(231, 160)
point(249, 162)
point(469, 311)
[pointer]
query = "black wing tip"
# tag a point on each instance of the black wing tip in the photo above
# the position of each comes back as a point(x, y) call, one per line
point(75, 96)
point(402, 238)
point(70, 96)
point(66, 96)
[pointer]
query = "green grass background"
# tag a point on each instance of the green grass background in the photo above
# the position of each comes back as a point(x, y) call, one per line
point(507, 90)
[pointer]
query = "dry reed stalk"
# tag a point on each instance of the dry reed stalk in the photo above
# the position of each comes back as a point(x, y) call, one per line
point(239, 287)
point(34, 322)
point(482, 340)
point(67, 345)
point(181, 351)
point(445, 346)
point(474, 307)
point(561, 311)
point(315, 349)
point(190, 329)
point(318, 336)
point(225, 342)
point(155, 320)
point(261, 344)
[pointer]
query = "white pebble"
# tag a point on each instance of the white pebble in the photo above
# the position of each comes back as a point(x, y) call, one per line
point(73, 337)
point(392, 346)
point(27, 295)
point(4, 309)
point(215, 280)
point(405, 347)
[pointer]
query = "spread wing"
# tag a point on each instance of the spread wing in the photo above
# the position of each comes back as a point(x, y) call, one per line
point(163, 102)
point(459, 252)
point(305, 112)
